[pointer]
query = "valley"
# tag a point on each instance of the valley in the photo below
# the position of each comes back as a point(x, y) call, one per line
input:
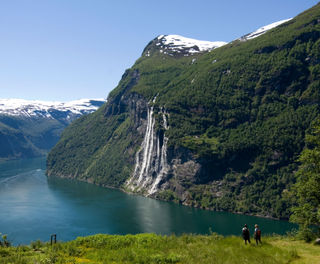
point(196, 140)
point(30, 129)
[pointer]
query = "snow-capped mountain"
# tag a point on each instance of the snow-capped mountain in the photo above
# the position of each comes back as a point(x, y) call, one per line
point(174, 45)
point(263, 30)
point(31, 128)
point(46, 109)
point(169, 44)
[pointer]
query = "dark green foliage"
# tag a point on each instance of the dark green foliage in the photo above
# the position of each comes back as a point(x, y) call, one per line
point(15, 145)
point(93, 147)
point(168, 195)
point(4, 242)
point(307, 188)
point(242, 110)
point(26, 137)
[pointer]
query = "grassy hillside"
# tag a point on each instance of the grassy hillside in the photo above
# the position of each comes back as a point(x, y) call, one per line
point(151, 248)
point(241, 110)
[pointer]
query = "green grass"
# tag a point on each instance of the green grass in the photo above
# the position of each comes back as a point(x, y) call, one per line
point(151, 248)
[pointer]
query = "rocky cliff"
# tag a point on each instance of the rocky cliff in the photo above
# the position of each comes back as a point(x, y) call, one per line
point(216, 126)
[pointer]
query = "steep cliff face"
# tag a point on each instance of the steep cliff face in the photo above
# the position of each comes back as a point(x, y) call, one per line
point(155, 168)
point(151, 166)
point(217, 128)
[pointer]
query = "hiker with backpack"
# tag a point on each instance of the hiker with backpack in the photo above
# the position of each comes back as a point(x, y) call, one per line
point(246, 234)
point(257, 234)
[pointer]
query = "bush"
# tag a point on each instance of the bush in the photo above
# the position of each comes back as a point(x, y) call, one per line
point(36, 245)
point(4, 242)
point(306, 234)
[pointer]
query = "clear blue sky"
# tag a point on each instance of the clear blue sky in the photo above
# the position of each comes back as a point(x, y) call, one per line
point(70, 49)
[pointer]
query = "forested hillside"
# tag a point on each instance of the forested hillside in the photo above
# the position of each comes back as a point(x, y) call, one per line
point(220, 129)
point(31, 128)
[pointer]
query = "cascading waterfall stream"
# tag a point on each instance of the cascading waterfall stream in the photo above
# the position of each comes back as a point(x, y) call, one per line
point(162, 165)
point(147, 146)
point(151, 160)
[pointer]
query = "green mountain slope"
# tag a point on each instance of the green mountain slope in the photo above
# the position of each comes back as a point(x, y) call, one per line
point(220, 129)
point(14, 144)
point(31, 128)
point(23, 137)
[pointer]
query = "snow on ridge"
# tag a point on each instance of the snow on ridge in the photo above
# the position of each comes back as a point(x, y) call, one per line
point(173, 44)
point(180, 44)
point(21, 107)
point(263, 30)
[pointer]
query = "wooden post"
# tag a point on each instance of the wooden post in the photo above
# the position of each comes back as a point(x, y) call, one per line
point(53, 238)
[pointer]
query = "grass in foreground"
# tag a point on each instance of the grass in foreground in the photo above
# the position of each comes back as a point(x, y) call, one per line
point(151, 248)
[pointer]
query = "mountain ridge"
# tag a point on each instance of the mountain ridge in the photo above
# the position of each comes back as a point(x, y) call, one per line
point(219, 130)
point(30, 128)
point(262, 30)
point(177, 44)
point(21, 107)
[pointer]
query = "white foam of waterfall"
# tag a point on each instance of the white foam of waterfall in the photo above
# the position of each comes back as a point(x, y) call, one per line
point(163, 168)
point(151, 160)
point(147, 146)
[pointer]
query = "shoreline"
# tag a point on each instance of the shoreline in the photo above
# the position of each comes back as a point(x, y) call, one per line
point(155, 198)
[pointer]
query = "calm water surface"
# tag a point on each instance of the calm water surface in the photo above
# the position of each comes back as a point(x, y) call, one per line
point(33, 207)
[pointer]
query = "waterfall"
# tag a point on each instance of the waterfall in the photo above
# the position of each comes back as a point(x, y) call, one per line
point(151, 159)
point(162, 164)
point(147, 146)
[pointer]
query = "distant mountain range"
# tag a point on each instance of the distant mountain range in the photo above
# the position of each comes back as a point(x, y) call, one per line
point(32, 128)
point(210, 125)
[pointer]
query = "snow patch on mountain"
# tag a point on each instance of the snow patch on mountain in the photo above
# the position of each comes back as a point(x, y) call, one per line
point(176, 44)
point(169, 44)
point(28, 108)
point(263, 30)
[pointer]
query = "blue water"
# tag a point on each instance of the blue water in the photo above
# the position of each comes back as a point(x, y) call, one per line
point(34, 207)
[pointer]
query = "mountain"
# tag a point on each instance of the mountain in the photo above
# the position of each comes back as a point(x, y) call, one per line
point(66, 110)
point(175, 44)
point(212, 127)
point(32, 128)
point(263, 30)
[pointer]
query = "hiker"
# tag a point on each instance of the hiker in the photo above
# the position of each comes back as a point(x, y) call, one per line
point(257, 234)
point(246, 234)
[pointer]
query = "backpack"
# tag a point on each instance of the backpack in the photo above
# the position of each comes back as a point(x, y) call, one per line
point(258, 232)
point(245, 232)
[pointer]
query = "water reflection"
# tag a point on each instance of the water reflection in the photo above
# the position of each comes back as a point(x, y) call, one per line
point(115, 212)
point(14, 167)
point(34, 207)
point(111, 210)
